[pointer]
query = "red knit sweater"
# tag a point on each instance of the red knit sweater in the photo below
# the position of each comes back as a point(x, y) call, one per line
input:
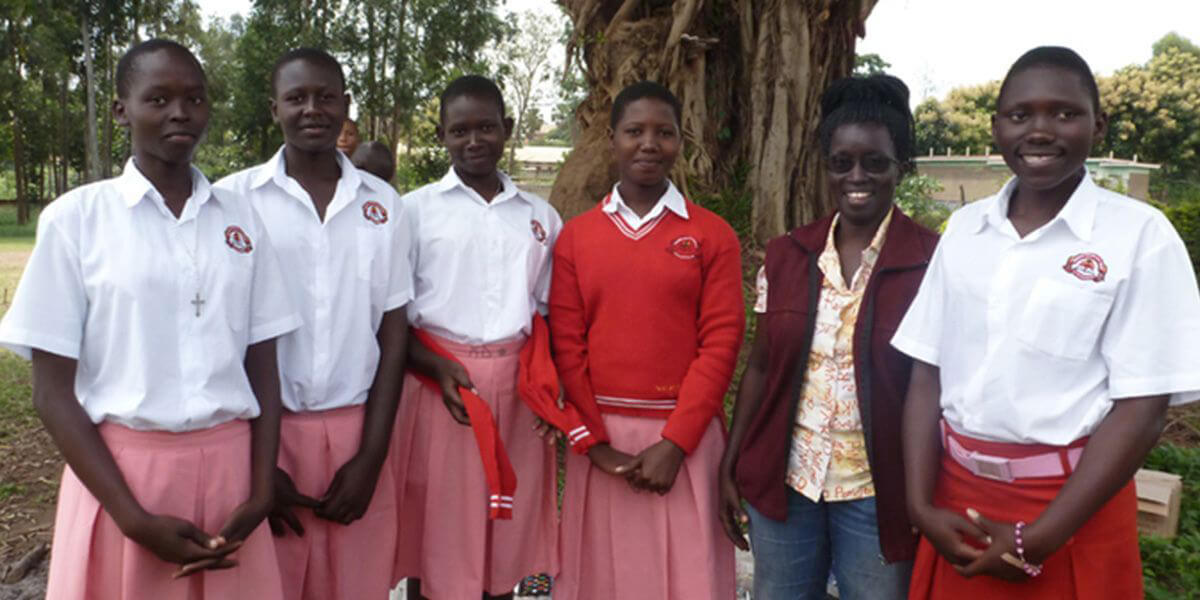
point(648, 326)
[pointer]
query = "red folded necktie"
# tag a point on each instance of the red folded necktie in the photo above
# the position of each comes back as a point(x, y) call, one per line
point(537, 383)
point(501, 478)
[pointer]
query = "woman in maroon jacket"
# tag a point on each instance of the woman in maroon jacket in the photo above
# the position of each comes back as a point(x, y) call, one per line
point(815, 442)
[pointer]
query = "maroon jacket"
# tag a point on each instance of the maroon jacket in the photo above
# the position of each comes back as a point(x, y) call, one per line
point(881, 372)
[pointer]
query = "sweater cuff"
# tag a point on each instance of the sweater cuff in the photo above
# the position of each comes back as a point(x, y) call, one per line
point(581, 439)
point(687, 441)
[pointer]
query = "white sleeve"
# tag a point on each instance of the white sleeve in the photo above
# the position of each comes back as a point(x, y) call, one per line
point(272, 311)
point(920, 332)
point(1152, 339)
point(49, 309)
point(400, 273)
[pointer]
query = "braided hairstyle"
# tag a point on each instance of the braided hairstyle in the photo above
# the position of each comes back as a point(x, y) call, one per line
point(880, 99)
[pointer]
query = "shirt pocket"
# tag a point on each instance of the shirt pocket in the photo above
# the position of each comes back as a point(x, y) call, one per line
point(1063, 320)
point(369, 266)
point(239, 281)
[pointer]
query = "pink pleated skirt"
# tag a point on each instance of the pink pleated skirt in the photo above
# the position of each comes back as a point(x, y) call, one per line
point(334, 561)
point(199, 476)
point(445, 537)
point(632, 545)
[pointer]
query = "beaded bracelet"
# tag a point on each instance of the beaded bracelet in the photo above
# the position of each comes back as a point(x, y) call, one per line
point(1030, 569)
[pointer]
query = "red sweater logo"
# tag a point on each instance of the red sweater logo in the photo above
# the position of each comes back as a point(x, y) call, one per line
point(238, 240)
point(685, 247)
point(375, 212)
point(1087, 267)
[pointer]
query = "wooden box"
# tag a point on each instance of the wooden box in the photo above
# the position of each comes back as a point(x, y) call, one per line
point(1158, 502)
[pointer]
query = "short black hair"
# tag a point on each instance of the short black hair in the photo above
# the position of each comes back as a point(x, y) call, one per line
point(128, 63)
point(314, 56)
point(880, 99)
point(638, 91)
point(375, 158)
point(1060, 58)
point(475, 86)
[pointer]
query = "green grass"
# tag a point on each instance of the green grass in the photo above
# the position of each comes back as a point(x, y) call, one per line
point(8, 222)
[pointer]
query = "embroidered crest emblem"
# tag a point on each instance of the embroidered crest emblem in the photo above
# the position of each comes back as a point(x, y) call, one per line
point(1087, 266)
point(685, 247)
point(539, 232)
point(238, 240)
point(375, 212)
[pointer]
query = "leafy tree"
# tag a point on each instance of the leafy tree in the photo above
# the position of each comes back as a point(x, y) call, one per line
point(1154, 113)
point(526, 65)
point(870, 64)
point(572, 90)
point(960, 123)
point(1174, 40)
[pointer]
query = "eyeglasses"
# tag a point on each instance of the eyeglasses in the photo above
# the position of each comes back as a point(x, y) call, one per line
point(875, 164)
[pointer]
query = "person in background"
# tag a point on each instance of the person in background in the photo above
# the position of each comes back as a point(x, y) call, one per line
point(377, 159)
point(348, 140)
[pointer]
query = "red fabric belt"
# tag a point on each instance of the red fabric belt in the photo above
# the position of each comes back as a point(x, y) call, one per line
point(497, 469)
point(538, 386)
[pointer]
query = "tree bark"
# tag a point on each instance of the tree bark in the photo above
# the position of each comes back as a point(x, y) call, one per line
point(92, 144)
point(749, 74)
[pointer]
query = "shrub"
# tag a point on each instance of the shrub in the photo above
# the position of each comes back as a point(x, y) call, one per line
point(914, 196)
point(1185, 216)
point(1171, 568)
point(420, 166)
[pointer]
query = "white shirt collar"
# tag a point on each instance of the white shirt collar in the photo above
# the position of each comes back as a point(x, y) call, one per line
point(134, 186)
point(275, 170)
point(451, 180)
point(671, 199)
point(1079, 213)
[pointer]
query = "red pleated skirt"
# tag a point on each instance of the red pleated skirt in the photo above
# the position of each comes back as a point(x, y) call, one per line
point(1100, 561)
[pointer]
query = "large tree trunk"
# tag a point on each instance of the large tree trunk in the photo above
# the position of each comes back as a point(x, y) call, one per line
point(749, 74)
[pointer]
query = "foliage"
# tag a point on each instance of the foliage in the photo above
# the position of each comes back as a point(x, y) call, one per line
point(732, 202)
point(1185, 217)
point(572, 89)
point(398, 54)
point(870, 64)
point(11, 227)
point(1154, 111)
point(1171, 568)
point(914, 196)
point(419, 167)
point(526, 55)
point(960, 123)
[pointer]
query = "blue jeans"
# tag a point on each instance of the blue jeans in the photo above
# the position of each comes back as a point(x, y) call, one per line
point(792, 558)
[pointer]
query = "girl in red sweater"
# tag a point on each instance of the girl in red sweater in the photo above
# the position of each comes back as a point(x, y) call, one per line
point(646, 315)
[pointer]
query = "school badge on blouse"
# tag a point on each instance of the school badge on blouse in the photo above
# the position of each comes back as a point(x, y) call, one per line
point(685, 247)
point(1087, 266)
point(539, 232)
point(238, 240)
point(375, 212)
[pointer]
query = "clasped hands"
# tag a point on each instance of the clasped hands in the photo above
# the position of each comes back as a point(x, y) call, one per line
point(995, 554)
